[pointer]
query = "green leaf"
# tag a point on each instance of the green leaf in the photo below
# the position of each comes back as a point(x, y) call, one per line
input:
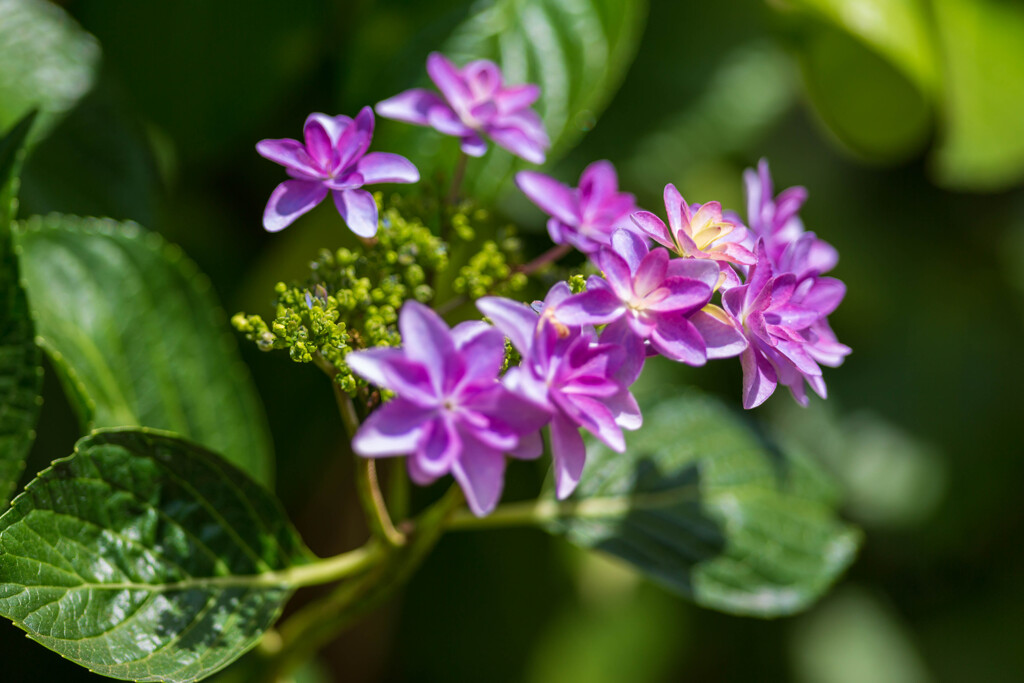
point(21, 374)
point(576, 50)
point(982, 139)
point(137, 338)
point(46, 61)
point(700, 505)
point(144, 557)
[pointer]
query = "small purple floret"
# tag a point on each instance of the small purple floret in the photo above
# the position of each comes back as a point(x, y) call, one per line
point(333, 159)
point(649, 294)
point(474, 101)
point(584, 217)
point(450, 414)
point(580, 380)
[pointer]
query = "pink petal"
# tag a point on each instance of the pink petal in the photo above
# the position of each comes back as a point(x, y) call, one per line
point(568, 455)
point(759, 379)
point(683, 296)
point(675, 337)
point(289, 200)
point(447, 79)
point(595, 417)
point(621, 334)
point(702, 270)
point(593, 307)
point(440, 448)
point(359, 209)
point(677, 209)
point(396, 428)
point(650, 272)
point(517, 141)
point(318, 141)
point(599, 180)
point(427, 340)
point(531, 447)
point(516, 320)
point(631, 247)
point(445, 120)
point(391, 369)
point(617, 272)
point(383, 167)
point(653, 227)
point(355, 140)
point(516, 97)
point(625, 410)
point(722, 336)
point(551, 196)
point(411, 106)
point(292, 155)
point(484, 355)
point(480, 472)
point(473, 145)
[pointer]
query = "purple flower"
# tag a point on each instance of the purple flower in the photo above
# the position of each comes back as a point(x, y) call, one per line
point(650, 295)
point(333, 159)
point(776, 221)
point(475, 102)
point(583, 217)
point(783, 319)
point(450, 413)
point(700, 231)
point(579, 380)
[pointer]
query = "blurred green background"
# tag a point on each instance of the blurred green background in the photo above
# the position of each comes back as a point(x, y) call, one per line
point(903, 118)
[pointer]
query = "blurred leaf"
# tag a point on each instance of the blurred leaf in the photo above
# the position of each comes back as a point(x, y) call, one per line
point(866, 101)
point(46, 61)
point(853, 638)
point(705, 509)
point(144, 557)
point(21, 375)
point(896, 29)
point(982, 136)
point(96, 162)
point(889, 477)
point(137, 338)
point(747, 93)
point(576, 50)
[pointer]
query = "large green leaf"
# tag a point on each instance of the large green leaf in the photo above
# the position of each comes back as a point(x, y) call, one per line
point(137, 338)
point(702, 506)
point(576, 50)
point(982, 137)
point(144, 557)
point(20, 371)
point(46, 61)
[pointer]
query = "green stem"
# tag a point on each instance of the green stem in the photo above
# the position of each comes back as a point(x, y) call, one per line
point(373, 503)
point(457, 175)
point(320, 622)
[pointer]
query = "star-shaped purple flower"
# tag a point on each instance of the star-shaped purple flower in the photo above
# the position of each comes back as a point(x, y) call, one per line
point(450, 414)
point(475, 102)
point(579, 380)
point(783, 321)
point(776, 220)
point(649, 293)
point(333, 159)
point(585, 216)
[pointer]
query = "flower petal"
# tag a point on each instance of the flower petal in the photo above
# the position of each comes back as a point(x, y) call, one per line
point(411, 106)
point(518, 141)
point(683, 296)
point(516, 320)
point(473, 145)
point(568, 455)
point(291, 199)
point(441, 447)
point(551, 196)
point(516, 97)
point(318, 141)
point(722, 336)
point(480, 472)
point(592, 307)
point(631, 247)
point(650, 272)
point(653, 227)
point(448, 79)
point(292, 155)
point(355, 139)
point(396, 428)
point(359, 209)
point(675, 337)
point(759, 379)
point(427, 340)
point(384, 167)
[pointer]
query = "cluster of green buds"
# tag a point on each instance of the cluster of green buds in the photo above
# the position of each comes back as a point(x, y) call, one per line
point(351, 297)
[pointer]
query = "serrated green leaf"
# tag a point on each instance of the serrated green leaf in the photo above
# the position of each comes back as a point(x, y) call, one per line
point(576, 50)
point(21, 374)
point(137, 338)
point(46, 61)
point(145, 557)
point(700, 505)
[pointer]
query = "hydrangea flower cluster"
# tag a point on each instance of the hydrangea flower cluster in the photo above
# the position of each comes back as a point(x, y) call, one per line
point(457, 400)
